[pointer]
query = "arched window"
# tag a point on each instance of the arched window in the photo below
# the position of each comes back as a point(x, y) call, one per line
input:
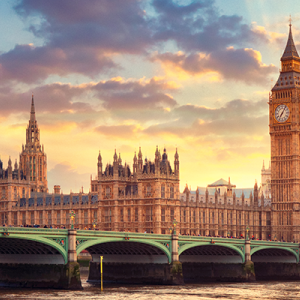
point(107, 192)
point(23, 193)
point(148, 190)
point(15, 193)
point(163, 191)
point(172, 192)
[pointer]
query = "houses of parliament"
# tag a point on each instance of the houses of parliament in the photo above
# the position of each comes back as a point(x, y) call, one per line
point(147, 198)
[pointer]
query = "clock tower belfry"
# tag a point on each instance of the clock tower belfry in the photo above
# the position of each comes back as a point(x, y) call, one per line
point(284, 127)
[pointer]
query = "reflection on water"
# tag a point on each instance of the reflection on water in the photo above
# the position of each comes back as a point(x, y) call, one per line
point(258, 290)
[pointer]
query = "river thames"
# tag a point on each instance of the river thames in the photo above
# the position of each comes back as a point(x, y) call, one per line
point(256, 290)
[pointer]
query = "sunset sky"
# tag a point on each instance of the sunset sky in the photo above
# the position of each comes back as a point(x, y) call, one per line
point(124, 74)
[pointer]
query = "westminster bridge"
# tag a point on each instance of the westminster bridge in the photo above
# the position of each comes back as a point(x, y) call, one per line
point(39, 257)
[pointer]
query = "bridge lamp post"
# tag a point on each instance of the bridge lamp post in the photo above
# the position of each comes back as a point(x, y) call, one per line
point(228, 233)
point(247, 235)
point(174, 226)
point(94, 224)
point(72, 216)
point(275, 237)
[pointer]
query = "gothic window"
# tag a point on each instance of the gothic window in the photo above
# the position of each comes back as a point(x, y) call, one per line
point(163, 216)
point(184, 216)
point(58, 218)
point(163, 191)
point(121, 215)
point(149, 214)
point(107, 192)
point(172, 192)
point(203, 217)
point(172, 216)
point(106, 215)
point(49, 218)
point(136, 215)
point(148, 193)
point(15, 193)
point(129, 215)
point(86, 217)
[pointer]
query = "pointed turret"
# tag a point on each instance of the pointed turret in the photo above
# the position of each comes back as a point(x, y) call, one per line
point(135, 163)
point(32, 111)
point(176, 163)
point(115, 156)
point(140, 159)
point(290, 51)
point(99, 165)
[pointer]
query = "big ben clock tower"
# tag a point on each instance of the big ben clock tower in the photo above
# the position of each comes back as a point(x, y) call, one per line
point(284, 105)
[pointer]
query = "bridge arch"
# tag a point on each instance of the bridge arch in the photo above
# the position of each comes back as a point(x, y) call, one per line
point(274, 254)
point(137, 248)
point(207, 252)
point(19, 248)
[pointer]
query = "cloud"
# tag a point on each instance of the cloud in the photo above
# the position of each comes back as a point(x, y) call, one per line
point(87, 103)
point(68, 178)
point(199, 26)
point(28, 63)
point(50, 98)
point(234, 64)
point(86, 39)
point(134, 95)
point(238, 119)
point(118, 131)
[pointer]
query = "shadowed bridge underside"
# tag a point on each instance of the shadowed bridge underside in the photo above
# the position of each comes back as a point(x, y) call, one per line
point(273, 255)
point(127, 252)
point(18, 251)
point(210, 253)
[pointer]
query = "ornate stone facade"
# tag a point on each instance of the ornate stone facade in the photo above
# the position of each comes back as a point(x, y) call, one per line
point(285, 153)
point(33, 160)
point(13, 185)
point(146, 199)
point(222, 210)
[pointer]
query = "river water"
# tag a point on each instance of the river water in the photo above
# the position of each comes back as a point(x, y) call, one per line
point(258, 290)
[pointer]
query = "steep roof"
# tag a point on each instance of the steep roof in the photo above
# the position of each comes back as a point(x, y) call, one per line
point(220, 182)
point(290, 49)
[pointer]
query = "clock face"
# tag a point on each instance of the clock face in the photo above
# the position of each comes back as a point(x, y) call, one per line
point(282, 113)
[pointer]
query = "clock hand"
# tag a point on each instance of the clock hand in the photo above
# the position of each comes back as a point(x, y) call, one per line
point(282, 112)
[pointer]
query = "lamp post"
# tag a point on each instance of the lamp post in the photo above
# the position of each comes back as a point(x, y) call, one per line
point(94, 224)
point(72, 216)
point(228, 233)
point(173, 227)
point(247, 236)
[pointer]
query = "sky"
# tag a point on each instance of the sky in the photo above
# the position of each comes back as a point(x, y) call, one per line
point(124, 74)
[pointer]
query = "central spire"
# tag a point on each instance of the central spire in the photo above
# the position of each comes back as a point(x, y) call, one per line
point(290, 49)
point(32, 112)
